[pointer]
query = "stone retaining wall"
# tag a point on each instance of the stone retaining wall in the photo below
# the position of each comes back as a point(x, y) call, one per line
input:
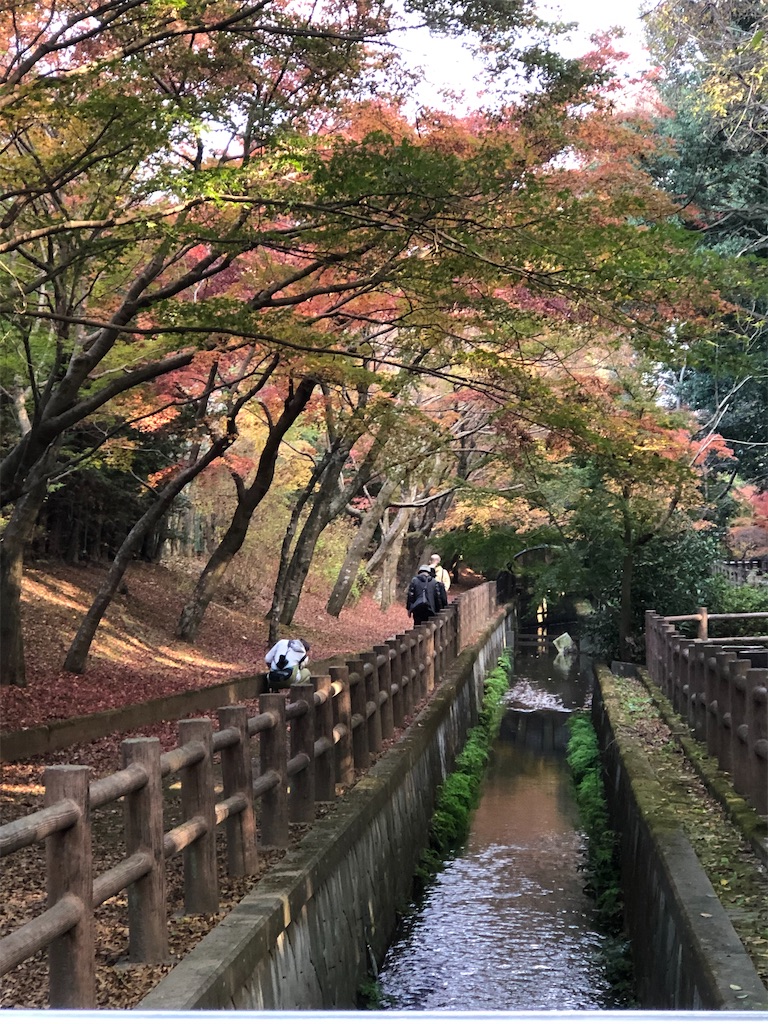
point(306, 935)
point(687, 954)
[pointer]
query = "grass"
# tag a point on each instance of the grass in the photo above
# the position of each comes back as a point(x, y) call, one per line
point(458, 795)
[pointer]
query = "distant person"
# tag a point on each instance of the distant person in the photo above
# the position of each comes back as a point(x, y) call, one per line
point(441, 573)
point(287, 663)
point(422, 599)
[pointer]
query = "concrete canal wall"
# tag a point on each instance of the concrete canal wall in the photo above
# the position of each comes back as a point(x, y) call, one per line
point(306, 935)
point(686, 952)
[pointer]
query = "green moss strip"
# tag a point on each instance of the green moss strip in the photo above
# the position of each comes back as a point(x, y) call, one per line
point(458, 795)
point(602, 867)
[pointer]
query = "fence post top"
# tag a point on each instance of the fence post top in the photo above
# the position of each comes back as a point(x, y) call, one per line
point(303, 691)
point(274, 702)
point(133, 741)
point(69, 769)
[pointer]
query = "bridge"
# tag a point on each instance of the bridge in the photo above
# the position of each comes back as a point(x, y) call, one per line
point(324, 735)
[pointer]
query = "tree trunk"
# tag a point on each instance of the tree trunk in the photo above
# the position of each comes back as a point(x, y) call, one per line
point(385, 558)
point(388, 588)
point(625, 611)
point(287, 544)
point(248, 500)
point(16, 536)
point(286, 601)
point(358, 548)
point(81, 645)
point(331, 499)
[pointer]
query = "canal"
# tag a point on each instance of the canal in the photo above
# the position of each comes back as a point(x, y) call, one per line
point(506, 924)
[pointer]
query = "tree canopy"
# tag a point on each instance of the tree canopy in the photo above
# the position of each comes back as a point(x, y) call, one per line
point(216, 212)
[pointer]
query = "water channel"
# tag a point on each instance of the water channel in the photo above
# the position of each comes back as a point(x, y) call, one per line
point(506, 924)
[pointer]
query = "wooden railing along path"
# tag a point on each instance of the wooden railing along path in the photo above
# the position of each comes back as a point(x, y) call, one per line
point(720, 687)
point(325, 732)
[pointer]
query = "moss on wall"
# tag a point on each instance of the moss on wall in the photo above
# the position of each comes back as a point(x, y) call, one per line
point(603, 864)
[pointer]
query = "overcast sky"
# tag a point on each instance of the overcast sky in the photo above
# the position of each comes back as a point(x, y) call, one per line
point(448, 65)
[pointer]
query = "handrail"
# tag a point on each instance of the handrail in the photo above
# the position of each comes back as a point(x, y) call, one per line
point(718, 686)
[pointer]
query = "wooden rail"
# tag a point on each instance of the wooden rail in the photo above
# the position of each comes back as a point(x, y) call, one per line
point(321, 735)
point(720, 688)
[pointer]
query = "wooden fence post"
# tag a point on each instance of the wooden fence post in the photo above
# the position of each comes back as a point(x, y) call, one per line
point(700, 704)
point(687, 670)
point(462, 615)
point(719, 719)
point(345, 762)
point(325, 760)
point(437, 668)
point(429, 655)
point(143, 813)
point(441, 639)
point(396, 678)
point(382, 654)
point(454, 648)
point(359, 715)
point(757, 738)
point(201, 884)
point(371, 669)
point(420, 650)
point(667, 636)
point(237, 778)
point(273, 756)
point(406, 685)
point(649, 644)
point(702, 632)
point(301, 798)
point(69, 873)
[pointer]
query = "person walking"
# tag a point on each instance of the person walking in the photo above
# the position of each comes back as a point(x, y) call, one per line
point(441, 573)
point(422, 599)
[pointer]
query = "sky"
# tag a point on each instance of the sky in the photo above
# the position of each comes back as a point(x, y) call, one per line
point(448, 66)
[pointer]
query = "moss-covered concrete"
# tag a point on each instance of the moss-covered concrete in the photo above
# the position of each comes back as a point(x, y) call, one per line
point(686, 951)
point(306, 935)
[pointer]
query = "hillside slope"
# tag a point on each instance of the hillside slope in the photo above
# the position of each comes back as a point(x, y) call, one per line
point(135, 655)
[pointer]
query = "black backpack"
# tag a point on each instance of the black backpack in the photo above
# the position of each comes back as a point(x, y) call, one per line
point(419, 595)
point(281, 672)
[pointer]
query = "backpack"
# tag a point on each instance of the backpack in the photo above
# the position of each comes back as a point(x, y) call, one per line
point(281, 672)
point(419, 598)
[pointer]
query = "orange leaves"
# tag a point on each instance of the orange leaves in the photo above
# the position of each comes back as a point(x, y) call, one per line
point(756, 502)
point(141, 412)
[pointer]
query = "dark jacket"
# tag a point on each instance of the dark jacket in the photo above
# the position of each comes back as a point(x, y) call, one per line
point(421, 589)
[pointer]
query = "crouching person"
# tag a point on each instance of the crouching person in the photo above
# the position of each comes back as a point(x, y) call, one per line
point(287, 662)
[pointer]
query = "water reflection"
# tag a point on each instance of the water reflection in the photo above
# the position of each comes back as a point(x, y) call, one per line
point(506, 924)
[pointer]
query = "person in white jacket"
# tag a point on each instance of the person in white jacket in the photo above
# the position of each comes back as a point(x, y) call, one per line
point(287, 663)
point(441, 573)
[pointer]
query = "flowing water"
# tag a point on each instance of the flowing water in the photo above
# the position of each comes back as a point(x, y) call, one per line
point(506, 924)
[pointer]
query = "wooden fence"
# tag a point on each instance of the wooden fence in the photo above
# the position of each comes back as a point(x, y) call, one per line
point(321, 735)
point(720, 688)
point(745, 570)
